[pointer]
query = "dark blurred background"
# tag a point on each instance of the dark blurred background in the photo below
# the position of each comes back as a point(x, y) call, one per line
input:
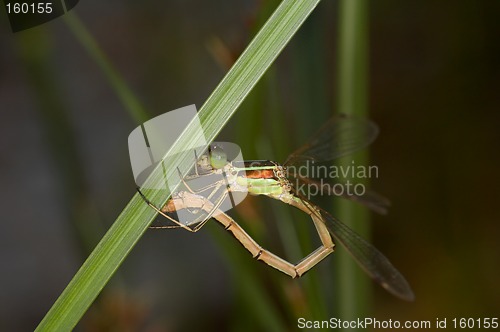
point(65, 173)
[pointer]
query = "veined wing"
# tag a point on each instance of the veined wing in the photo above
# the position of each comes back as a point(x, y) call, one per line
point(372, 261)
point(340, 136)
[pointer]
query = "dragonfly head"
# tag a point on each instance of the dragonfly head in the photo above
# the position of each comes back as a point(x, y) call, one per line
point(218, 158)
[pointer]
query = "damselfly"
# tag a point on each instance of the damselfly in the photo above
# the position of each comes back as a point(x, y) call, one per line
point(339, 137)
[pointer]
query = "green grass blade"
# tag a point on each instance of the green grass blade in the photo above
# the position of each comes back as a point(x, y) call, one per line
point(352, 284)
point(214, 114)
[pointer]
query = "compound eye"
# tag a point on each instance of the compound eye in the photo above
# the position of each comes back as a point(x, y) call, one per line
point(218, 158)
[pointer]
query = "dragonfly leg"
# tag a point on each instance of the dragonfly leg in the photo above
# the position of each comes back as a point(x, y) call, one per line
point(178, 224)
point(195, 202)
point(187, 200)
point(215, 188)
point(211, 209)
point(202, 189)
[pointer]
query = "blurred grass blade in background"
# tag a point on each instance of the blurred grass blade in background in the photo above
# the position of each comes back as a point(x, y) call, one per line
point(132, 105)
point(354, 289)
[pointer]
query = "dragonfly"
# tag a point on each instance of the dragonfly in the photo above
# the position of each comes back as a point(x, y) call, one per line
point(340, 136)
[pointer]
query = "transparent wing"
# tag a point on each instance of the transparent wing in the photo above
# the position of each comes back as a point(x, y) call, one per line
point(309, 168)
point(340, 136)
point(313, 187)
point(372, 261)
